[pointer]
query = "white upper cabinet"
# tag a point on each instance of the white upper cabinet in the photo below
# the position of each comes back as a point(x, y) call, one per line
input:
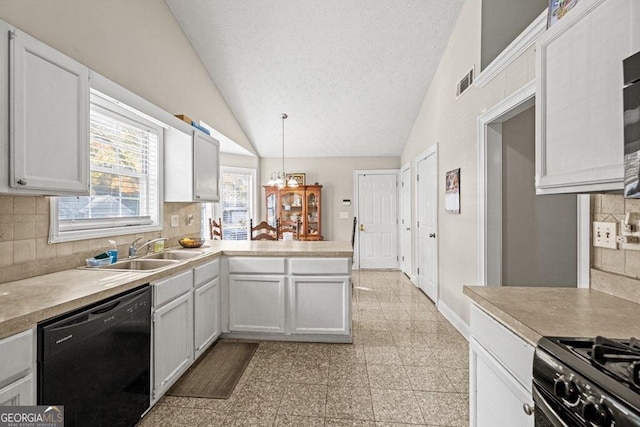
point(48, 120)
point(579, 111)
point(191, 166)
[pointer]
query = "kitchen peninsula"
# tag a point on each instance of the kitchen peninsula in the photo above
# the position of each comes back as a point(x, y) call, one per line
point(26, 302)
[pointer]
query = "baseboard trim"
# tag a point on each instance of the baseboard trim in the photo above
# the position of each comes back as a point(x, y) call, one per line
point(454, 319)
point(343, 339)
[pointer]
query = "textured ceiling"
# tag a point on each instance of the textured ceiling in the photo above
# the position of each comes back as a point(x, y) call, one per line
point(351, 74)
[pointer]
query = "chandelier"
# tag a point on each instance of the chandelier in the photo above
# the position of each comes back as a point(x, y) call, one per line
point(279, 178)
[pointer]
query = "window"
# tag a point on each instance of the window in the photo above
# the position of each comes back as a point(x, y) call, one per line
point(124, 176)
point(236, 203)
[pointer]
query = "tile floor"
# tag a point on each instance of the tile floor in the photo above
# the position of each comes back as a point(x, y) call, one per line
point(407, 366)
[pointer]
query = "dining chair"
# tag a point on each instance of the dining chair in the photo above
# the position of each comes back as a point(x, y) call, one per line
point(289, 226)
point(215, 229)
point(263, 231)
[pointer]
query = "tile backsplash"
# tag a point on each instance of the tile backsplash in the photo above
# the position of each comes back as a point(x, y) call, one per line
point(615, 271)
point(24, 231)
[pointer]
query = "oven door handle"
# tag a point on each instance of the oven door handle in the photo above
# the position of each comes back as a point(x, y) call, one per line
point(548, 412)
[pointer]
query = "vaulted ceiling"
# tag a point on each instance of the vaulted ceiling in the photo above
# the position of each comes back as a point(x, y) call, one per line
point(351, 74)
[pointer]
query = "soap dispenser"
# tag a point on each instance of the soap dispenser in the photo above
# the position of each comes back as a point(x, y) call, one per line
point(113, 251)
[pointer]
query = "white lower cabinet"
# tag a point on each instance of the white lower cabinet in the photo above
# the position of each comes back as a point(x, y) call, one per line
point(500, 374)
point(17, 385)
point(498, 399)
point(320, 305)
point(172, 331)
point(206, 306)
point(257, 303)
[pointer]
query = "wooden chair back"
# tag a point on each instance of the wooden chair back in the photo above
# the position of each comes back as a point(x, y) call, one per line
point(289, 226)
point(263, 231)
point(215, 229)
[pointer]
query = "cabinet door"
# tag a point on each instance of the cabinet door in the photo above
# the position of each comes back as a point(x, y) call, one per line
point(206, 308)
point(49, 111)
point(579, 109)
point(256, 303)
point(173, 342)
point(18, 393)
point(320, 305)
point(496, 397)
point(206, 167)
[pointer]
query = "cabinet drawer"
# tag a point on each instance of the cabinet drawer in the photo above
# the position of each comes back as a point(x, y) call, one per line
point(170, 288)
point(18, 393)
point(16, 353)
point(206, 272)
point(249, 265)
point(324, 266)
point(511, 351)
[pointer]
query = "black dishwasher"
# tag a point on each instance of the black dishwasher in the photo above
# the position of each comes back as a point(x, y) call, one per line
point(95, 361)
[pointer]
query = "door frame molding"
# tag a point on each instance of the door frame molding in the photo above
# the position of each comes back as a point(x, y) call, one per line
point(432, 150)
point(406, 166)
point(356, 195)
point(490, 192)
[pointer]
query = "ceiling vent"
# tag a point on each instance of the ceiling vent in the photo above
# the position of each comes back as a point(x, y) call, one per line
point(465, 83)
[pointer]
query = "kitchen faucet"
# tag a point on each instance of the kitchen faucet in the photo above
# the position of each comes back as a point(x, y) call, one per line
point(133, 250)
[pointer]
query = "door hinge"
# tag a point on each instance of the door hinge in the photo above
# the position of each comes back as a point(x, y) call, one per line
point(402, 258)
point(402, 183)
point(417, 177)
point(418, 270)
point(402, 221)
point(397, 258)
point(418, 224)
point(12, 34)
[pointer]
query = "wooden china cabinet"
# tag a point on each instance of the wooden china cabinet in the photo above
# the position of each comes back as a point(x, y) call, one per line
point(301, 203)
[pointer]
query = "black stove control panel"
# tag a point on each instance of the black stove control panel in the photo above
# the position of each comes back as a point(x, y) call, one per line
point(578, 398)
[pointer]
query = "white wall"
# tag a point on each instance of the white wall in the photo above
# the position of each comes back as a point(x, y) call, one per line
point(453, 125)
point(136, 43)
point(502, 21)
point(335, 174)
point(539, 233)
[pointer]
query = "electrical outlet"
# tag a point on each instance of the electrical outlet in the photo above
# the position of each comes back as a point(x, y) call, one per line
point(175, 220)
point(344, 215)
point(604, 235)
point(627, 239)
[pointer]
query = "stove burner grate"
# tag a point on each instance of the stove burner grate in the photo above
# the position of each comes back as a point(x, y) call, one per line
point(619, 358)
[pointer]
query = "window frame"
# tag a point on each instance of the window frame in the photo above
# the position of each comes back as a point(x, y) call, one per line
point(217, 207)
point(116, 227)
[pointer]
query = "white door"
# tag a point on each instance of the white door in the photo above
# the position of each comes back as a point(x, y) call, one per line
point(377, 219)
point(405, 220)
point(427, 224)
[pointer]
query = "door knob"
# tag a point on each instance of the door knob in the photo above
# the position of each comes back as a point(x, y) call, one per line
point(361, 227)
point(432, 235)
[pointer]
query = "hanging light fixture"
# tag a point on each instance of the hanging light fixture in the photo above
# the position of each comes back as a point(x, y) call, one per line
point(279, 178)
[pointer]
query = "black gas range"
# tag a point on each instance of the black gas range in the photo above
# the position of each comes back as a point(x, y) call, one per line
point(587, 382)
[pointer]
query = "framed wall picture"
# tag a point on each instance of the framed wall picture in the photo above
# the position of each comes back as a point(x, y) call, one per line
point(452, 192)
point(557, 9)
point(299, 177)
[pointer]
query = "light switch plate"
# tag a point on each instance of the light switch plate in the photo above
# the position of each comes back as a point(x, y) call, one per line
point(175, 220)
point(344, 215)
point(604, 235)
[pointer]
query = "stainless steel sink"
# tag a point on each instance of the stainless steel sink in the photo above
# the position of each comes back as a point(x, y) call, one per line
point(140, 264)
point(177, 255)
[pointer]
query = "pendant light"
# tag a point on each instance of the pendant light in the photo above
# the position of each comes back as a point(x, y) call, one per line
point(279, 178)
